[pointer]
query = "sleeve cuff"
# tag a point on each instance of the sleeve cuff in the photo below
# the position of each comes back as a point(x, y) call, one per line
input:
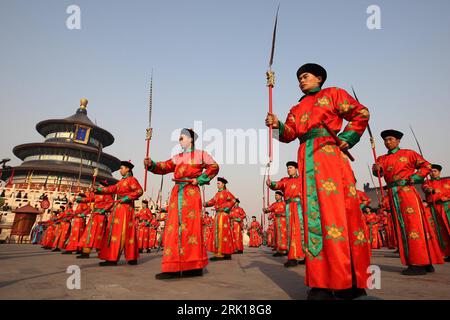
point(351, 137)
point(227, 210)
point(417, 179)
point(281, 128)
point(203, 179)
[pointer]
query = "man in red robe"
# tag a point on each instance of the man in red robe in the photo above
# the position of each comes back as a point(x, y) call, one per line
point(278, 209)
point(337, 252)
point(184, 252)
point(437, 191)
point(255, 231)
point(223, 202)
point(291, 188)
point(237, 215)
point(62, 230)
point(49, 233)
point(144, 218)
point(207, 223)
point(389, 226)
point(401, 169)
point(78, 224)
point(152, 238)
point(120, 233)
point(363, 198)
point(95, 228)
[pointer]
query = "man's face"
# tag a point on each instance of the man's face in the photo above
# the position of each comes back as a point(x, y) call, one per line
point(124, 170)
point(435, 173)
point(391, 143)
point(220, 184)
point(291, 170)
point(307, 81)
point(145, 205)
point(185, 141)
point(277, 197)
point(253, 219)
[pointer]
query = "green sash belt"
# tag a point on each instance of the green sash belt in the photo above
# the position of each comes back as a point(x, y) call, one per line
point(315, 241)
point(446, 205)
point(314, 133)
point(400, 220)
point(437, 227)
point(398, 183)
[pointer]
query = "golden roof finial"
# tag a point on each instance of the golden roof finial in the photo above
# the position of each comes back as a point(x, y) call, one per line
point(83, 103)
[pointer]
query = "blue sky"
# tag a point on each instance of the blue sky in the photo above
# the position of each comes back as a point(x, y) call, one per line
point(209, 59)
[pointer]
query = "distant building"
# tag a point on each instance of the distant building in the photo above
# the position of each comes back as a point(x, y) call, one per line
point(59, 167)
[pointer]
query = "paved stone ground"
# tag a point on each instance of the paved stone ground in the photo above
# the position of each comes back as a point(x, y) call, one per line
point(29, 272)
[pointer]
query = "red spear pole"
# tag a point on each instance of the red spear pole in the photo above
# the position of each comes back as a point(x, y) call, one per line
point(148, 136)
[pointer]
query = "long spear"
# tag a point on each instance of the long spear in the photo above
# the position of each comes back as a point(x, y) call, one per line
point(149, 130)
point(374, 153)
point(270, 76)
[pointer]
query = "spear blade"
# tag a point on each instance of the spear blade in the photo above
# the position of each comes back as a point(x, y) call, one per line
point(274, 36)
point(417, 141)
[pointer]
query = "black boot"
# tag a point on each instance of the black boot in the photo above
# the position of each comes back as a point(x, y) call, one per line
point(447, 259)
point(216, 258)
point(240, 252)
point(167, 275)
point(277, 254)
point(429, 268)
point(107, 263)
point(56, 250)
point(350, 294)
point(320, 294)
point(290, 263)
point(414, 271)
point(141, 250)
point(149, 250)
point(301, 261)
point(227, 257)
point(83, 256)
point(132, 262)
point(192, 273)
point(66, 252)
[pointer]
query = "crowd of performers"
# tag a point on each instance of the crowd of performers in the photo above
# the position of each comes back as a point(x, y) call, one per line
point(319, 218)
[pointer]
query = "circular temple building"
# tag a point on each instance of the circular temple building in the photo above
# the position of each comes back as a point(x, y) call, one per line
point(67, 159)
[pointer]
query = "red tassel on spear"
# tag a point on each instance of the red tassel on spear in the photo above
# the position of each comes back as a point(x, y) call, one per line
point(149, 130)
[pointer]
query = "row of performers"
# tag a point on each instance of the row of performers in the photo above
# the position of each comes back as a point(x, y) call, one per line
point(185, 246)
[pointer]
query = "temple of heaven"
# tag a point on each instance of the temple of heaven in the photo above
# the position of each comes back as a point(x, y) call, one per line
point(67, 159)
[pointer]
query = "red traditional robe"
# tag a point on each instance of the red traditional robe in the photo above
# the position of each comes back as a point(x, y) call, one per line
point(49, 233)
point(417, 246)
point(255, 238)
point(223, 202)
point(183, 238)
point(439, 202)
point(389, 226)
point(373, 225)
point(278, 209)
point(207, 223)
point(120, 233)
point(95, 228)
point(152, 237)
point(291, 188)
point(270, 234)
point(364, 200)
point(62, 229)
point(336, 246)
point(77, 228)
point(144, 224)
point(237, 215)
